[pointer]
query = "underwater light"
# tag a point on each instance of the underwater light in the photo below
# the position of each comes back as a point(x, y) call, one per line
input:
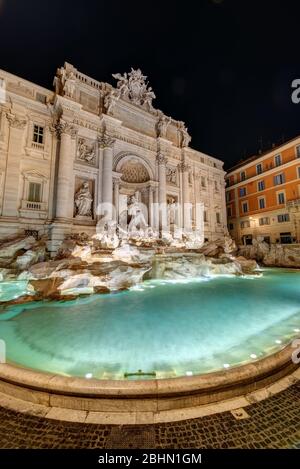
point(226, 365)
point(253, 355)
point(278, 341)
point(189, 373)
point(89, 375)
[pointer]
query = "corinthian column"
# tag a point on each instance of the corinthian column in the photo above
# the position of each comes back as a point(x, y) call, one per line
point(186, 206)
point(106, 142)
point(64, 204)
point(151, 208)
point(116, 199)
point(162, 196)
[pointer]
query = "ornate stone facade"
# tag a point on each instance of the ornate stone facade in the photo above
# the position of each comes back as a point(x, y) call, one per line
point(89, 152)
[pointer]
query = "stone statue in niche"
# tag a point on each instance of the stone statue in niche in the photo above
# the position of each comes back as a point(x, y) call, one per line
point(172, 207)
point(86, 152)
point(137, 222)
point(83, 201)
point(171, 176)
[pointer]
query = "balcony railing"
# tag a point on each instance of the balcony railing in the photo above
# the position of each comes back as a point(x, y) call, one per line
point(37, 146)
point(28, 205)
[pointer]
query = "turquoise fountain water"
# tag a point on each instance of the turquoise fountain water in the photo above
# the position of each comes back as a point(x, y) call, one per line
point(170, 328)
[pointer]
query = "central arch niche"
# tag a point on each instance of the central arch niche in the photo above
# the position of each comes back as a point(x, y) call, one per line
point(135, 176)
point(134, 172)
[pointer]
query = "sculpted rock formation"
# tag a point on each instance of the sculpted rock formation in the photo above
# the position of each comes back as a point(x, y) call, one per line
point(274, 255)
point(83, 267)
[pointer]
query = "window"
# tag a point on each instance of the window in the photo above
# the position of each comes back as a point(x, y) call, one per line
point(228, 196)
point(286, 238)
point(261, 203)
point(243, 175)
point(203, 182)
point(261, 185)
point(245, 224)
point(205, 216)
point(34, 194)
point(227, 182)
point(245, 207)
point(216, 186)
point(259, 168)
point(218, 217)
point(277, 160)
point(229, 213)
point(264, 221)
point(231, 226)
point(281, 198)
point(298, 151)
point(242, 191)
point(283, 218)
point(279, 179)
point(298, 171)
point(38, 134)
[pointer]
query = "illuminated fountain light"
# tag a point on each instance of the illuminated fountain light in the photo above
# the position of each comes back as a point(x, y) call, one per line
point(226, 365)
point(278, 341)
point(189, 373)
point(89, 375)
point(296, 330)
point(253, 355)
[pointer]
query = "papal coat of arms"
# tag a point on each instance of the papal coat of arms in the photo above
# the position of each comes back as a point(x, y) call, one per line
point(134, 87)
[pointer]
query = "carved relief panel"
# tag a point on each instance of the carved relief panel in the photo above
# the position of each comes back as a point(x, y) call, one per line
point(171, 175)
point(86, 151)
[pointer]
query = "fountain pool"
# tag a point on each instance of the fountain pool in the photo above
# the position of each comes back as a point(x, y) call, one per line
point(166, 329)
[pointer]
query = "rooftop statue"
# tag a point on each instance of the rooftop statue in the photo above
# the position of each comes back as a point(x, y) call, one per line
point(134, 87)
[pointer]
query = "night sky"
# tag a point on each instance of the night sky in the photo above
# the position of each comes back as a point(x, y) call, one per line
point(225, 67)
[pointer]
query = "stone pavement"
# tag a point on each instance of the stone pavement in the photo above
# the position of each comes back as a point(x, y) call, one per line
point(272, 423)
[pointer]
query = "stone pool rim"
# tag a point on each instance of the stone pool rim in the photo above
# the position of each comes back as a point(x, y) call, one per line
point(144, 397)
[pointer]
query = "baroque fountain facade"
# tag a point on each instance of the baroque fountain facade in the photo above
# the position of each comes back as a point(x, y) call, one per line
point(78, 157)
point(103, 203)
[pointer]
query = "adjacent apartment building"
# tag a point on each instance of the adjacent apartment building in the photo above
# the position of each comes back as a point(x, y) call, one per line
point(263, 196)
